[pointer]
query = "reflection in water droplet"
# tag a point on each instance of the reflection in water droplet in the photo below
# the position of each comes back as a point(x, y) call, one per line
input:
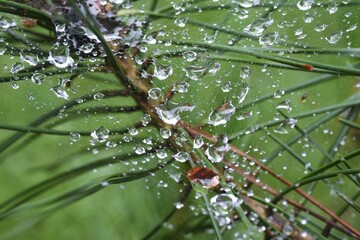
point(240, 13)
point(245, 72)
point(221, 115)
point(284, 105)
point(247, 3)
point(74, 136)
point(334, 38)
point(139, 150)
point(223, 204)
point(332, 8)
point(244, 115)
point(216, 153)
point(181, 87)
point(182, 156)
point(172, 116)
point(165, 133)
point(154, 93)
point(320, 27)
point(59, 90)
point(61, 61)
point(189, 56)
point(198, 141)
point(32, 60)
point(244, 92)
point(99, 96)
point(162, 71)
point(258, 26)
point(210, 38)
point(214, 68)
point(87, 48)
point(285, 126)
point(101, 134)
point(351, 28)
point(213, 155)
point(161, 153)
point(181, 22)
point(195, 72)
point(305, 4)
point(16, 67)
point(279, 93)
point(6, 24)
point(269, 39)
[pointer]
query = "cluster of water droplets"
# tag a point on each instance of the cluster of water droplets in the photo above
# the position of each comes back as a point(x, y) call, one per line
point(170, 113)
point(223, 205)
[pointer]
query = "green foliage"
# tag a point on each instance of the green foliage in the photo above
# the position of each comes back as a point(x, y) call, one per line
point(196, 119)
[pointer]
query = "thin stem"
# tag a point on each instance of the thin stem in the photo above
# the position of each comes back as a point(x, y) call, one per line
point(318, 177)
point(299, 63)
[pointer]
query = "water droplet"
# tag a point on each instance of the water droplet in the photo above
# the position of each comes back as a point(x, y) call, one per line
point(154, 93)
point(226, 87)
point(198, 141)
point(14, 85)
point(210, 38)
point(162, 72)
point(258, 26)
point(61, 61)
point(195, 72)
point(241, 13)
point(189, 56)
point(111, 144)
point(98, 96)
point(146, 119)
point(279, 93)
point(334, 38)
point(32, 60)
point(74, 136)
point(224, 203)
point(221, 115)
point(244, 115)
point(332, 8)
point(59, 90)
point(142, 48)
point(165, 133)
point(38, 78)
point(87, 48)
point(172, 116)
point(133, 131)
point(244, 92)
point(304, 5)
point(16, 67)
point(161, 153)
point(247, 3)
point(245, 72)
point(181, 87)
point(351, 28)
point(214, 68)
point(284, 105)
point(182, 156)
point(213, 155)
point(216, 153)
point(320, 27)
point(181, 22)
point(139, 150)
point(101, 134)
point(6, 24)
point(269, 39)
point(178, 205)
